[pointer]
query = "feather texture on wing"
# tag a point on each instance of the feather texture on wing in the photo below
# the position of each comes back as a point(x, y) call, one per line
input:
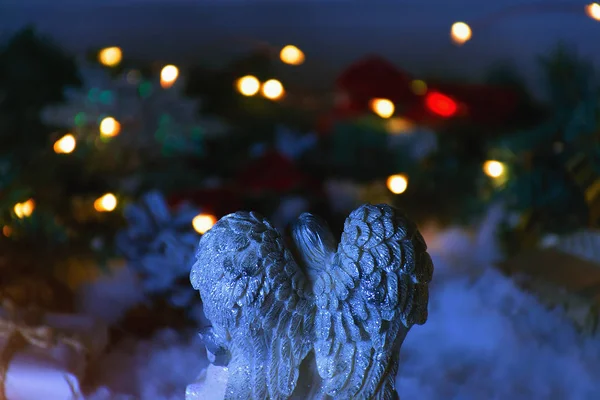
point(363, 296)
point(259, 304)
point(375, 289)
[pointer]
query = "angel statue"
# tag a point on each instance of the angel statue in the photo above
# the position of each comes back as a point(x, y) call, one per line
point(327, 323)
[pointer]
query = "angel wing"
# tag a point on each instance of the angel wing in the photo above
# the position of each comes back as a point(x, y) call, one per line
point(375, 289)
point(257, 300)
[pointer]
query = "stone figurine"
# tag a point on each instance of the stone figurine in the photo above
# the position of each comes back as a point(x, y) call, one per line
point(327, 323)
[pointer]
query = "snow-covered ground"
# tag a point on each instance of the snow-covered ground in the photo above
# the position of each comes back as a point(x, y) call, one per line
point(485, 339)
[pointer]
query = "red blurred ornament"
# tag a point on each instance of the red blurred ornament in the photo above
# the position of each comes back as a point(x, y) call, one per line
point(441, 104)
point(271, 172)
point(480, 103)
point(374, 77)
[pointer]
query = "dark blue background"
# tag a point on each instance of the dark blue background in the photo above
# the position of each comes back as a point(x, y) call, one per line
point(413, 34)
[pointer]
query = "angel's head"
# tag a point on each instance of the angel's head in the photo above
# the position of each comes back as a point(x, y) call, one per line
point(314, 241)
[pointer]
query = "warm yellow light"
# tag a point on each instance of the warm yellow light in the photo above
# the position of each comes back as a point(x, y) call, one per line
point(168, 76)
point(397, 184)
point(272, 89)
point(106, 203)
point(203, 222)
point(418, 87)
point(593, 11)
point(493, 169)
point(248, 85)
point(65, 144)
point(291, 55)
point(6, 230)
point(110, 56)
point(399, 125)
point(460, 32)
point(28, 207)
point(110, 127)
point(383, 107)
point(25, 209)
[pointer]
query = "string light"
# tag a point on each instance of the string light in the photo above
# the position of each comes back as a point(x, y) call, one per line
point(168, 76)
point(493, 169)
point(593, 11)
point(106, 203)
point(397, 184)
point(25, 209)
point(291, 55)
point(248, 85)
point(383, 107)
point(460, 33)
point(110, 127)
point(203, 222)
point(110, 56)
point(272, 89)
point(65, 144)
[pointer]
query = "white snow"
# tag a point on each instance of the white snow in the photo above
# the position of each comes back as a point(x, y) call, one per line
point(157, 369)
point(111, 296)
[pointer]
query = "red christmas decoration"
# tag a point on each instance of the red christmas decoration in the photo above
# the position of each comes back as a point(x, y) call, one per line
point(441, 104)
point(480, 103)
point(374, 77)
point(271, 172)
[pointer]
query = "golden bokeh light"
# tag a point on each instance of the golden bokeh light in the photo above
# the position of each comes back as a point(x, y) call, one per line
point(168, 76)
point(460, 33)
point(203, 222)
point(65, 144)
point(399, 126)
point(110, 127)
point(6, 230)
point(397, 184)
point(593, 11)
point(106, 203)
point(248, 85)
point(25, 209)
point(383, 107)
point(493, 169)
point(291, 55)
point(110, 56)
point(273, 89)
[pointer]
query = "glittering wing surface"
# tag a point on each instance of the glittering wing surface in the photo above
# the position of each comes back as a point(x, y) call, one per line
point(256, 298)
point(375, 289)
